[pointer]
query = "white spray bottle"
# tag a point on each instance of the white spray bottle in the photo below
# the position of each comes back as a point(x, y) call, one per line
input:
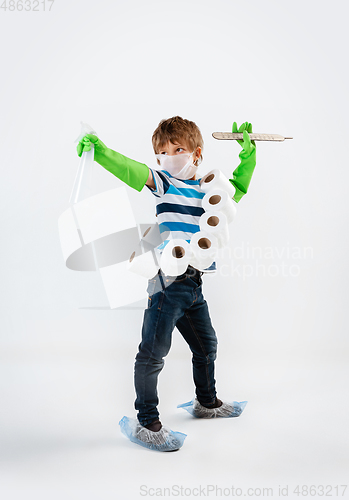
point(83, 180)
point(83, 183)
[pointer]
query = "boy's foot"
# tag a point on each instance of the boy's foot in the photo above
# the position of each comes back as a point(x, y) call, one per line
point(154, 426)
point(220, 409)
point(162, 440)
point(217, 404)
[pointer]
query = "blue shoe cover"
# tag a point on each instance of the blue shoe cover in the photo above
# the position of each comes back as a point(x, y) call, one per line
point(163, 440)
point(227, 410)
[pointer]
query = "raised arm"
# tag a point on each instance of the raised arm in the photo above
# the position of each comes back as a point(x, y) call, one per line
point(150, 182)
point(133, 173)
point(243, 173)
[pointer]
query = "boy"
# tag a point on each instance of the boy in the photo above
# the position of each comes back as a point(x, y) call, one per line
point(175, 301)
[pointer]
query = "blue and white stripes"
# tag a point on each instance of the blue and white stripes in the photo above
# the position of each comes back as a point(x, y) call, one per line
point(178, 206)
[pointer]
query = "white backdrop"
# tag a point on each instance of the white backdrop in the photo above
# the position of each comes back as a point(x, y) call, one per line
point(278, 301)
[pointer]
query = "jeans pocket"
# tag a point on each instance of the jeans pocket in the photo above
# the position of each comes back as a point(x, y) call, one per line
point(197, 281)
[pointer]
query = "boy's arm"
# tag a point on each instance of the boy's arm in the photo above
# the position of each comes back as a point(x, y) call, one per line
point(243, 173)
point(150, 182)
point(133, 173)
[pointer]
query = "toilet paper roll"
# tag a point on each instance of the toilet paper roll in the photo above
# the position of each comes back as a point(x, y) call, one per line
point(204, 243)
point(175, 257)
point(146, 264)
point(204, 248)
point(217, 199)
point(215, 179)
point(215, 223)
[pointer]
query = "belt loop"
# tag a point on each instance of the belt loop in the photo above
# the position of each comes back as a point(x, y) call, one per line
point(161, 280)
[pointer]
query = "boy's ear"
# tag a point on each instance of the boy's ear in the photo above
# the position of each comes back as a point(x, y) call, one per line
point(198, 152)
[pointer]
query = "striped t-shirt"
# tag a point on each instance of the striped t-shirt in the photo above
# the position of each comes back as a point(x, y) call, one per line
point(178, 207)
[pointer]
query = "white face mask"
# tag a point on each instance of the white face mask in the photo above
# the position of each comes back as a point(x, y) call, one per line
point(180, 166)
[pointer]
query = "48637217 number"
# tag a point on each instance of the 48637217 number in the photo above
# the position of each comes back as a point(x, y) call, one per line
point(320, 490)
point(27, 5)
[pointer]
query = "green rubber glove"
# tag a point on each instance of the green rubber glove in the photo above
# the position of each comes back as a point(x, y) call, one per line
point(133, 173)
point(243, 173)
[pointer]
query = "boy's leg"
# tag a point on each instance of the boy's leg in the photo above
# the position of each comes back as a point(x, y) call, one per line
point(158, 324)
point(155, 344)
point(196, 328)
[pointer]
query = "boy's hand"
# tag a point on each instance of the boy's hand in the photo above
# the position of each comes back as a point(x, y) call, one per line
point(85, 144)
point(246, 143)
point(133, 173)
point(243, 172)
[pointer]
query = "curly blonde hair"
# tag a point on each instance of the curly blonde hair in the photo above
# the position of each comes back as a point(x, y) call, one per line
point(178, 129)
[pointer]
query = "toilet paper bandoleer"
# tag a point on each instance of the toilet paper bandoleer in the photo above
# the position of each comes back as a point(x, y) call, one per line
point(178, 146)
